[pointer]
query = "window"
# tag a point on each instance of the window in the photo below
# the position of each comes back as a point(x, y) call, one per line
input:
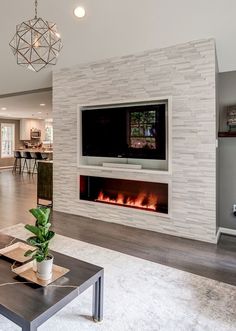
point(7, 139)
point(143, 129)
point(49, 132)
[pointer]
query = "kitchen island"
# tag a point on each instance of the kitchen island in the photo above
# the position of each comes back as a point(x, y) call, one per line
point(34, 150)
point(47, 154)
point(45, 183)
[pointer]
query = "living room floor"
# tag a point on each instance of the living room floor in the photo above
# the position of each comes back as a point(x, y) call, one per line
point(18, 195)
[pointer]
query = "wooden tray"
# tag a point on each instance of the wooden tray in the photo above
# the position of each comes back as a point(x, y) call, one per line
point(16, 252)
point(26, 271)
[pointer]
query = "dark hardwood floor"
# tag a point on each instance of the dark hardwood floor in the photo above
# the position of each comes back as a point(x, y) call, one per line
point(18, 194)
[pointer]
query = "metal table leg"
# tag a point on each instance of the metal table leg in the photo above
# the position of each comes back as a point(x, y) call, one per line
point(98, 300)
point(29, 327)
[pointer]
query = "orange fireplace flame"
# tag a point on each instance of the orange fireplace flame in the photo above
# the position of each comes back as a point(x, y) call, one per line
point(143, 200)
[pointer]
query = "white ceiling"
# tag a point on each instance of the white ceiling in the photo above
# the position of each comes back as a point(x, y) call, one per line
point(114, 28)
point(27, 106)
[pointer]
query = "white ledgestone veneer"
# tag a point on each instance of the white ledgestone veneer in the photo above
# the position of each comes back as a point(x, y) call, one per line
point(185, 72)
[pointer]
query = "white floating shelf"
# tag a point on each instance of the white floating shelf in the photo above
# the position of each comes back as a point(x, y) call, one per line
point(141, 171)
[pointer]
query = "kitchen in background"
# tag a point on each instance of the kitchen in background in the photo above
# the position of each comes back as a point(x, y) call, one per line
point(26, 126)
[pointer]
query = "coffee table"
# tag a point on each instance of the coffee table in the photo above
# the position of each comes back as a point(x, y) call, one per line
point(29, 305)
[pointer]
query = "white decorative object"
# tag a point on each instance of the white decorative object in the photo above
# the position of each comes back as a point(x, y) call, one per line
point(44, 269)
point(122, 165)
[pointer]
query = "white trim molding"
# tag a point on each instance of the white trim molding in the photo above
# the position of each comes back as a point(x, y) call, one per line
point(228, 231)
point(165, 99)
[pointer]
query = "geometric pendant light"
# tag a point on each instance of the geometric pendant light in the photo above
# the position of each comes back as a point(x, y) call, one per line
point(36, 43)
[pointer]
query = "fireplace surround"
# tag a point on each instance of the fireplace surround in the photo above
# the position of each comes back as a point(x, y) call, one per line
point(186, 73)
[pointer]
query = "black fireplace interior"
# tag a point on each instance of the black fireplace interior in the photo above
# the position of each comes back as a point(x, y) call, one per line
point(148, 196)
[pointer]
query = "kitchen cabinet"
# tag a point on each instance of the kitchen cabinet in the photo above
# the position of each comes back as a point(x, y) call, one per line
point(27, 124)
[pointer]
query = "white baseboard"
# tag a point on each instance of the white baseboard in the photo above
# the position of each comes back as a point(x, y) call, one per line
point(218, 236)
point(221, 230)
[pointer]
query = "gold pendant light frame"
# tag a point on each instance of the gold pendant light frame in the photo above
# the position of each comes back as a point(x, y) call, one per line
point(36, 43)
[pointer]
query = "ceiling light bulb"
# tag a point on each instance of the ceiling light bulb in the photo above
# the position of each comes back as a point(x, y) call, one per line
point(79, 12)
point(36, 42)
point(42, 104)
point(4, 108)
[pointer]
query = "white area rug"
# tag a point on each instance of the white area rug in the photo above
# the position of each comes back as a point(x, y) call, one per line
point(140, 295)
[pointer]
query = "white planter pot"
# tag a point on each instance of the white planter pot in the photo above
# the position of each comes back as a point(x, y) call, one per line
point(44, 269)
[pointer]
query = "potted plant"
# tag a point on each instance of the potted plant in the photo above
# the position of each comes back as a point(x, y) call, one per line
point(41, 240)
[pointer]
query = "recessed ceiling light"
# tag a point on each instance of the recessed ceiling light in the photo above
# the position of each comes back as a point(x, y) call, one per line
point(4, 108)
point(39, 112)
point(79, 12)
point(42, 104)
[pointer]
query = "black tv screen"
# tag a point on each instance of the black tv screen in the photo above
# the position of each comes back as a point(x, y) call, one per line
point(126, 132)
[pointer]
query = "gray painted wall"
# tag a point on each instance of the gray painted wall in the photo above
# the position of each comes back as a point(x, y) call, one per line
point(227, 193)
point(227, 153)
point(227, 95)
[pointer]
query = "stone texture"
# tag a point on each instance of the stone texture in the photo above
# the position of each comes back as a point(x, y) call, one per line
point(185, 72)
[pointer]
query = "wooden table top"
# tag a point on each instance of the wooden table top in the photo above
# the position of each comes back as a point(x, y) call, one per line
point(30, 301)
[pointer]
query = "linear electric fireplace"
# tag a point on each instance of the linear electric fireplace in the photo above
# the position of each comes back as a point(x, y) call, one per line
point(141, 195)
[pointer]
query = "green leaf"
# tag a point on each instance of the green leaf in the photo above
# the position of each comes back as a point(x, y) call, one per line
point(39, 257)
point(37, 213)
point(35, 230)
point(47, 212)
point(41, 215)
point(29, 252)
point(50, 235)
point(33, 241)
point(42, 234)
point(48, 225)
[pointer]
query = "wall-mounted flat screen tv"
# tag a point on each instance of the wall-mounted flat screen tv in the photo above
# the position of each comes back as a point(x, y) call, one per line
point(125, 131)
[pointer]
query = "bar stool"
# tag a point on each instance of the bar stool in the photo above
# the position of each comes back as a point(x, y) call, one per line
point(38, 156)
point(17, 162)
point(27, 156)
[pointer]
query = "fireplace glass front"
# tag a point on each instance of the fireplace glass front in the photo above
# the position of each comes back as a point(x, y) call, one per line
point(141, 195)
